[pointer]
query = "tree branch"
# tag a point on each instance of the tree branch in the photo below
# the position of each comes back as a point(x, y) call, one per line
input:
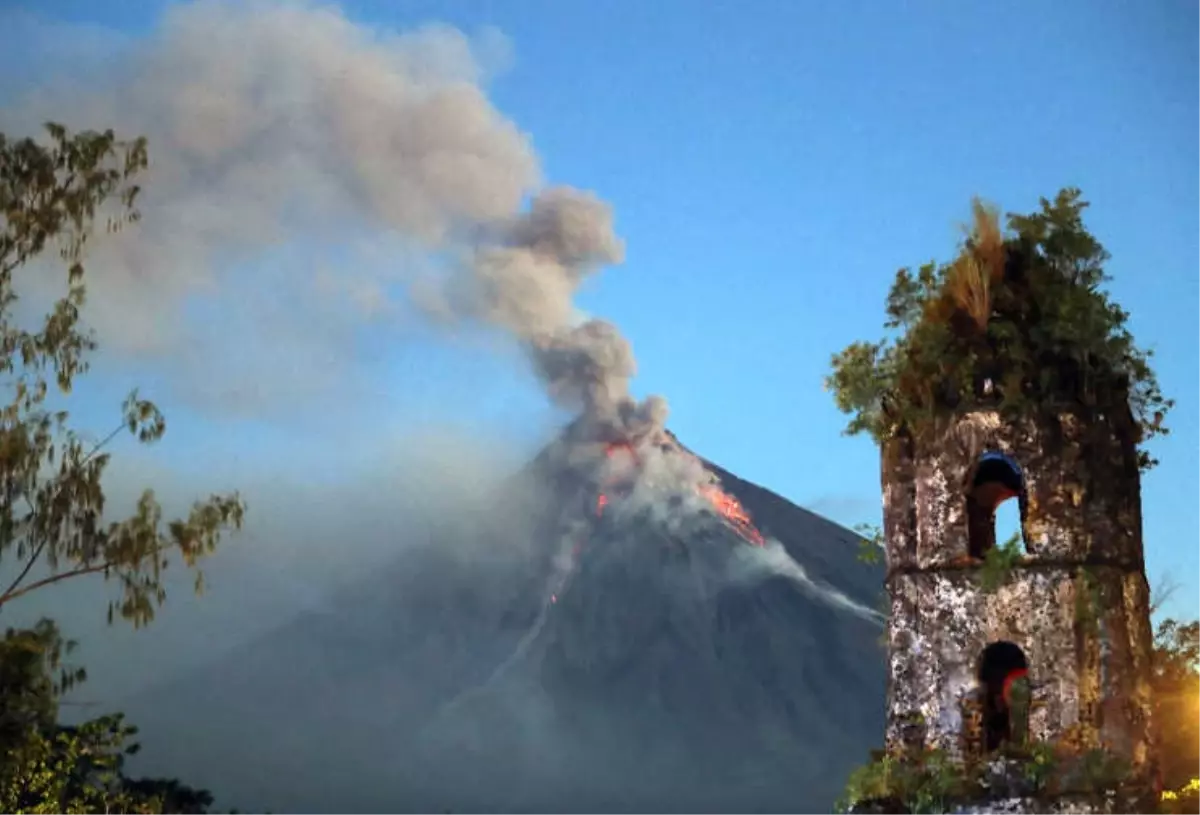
point(37, 552)
point(1162, 592)
point(54, 578)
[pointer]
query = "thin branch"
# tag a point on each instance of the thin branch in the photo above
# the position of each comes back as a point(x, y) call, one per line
point(1161, 593)
point(37, 552)
point(54, 578)
point(33, 558)
point(82, 570)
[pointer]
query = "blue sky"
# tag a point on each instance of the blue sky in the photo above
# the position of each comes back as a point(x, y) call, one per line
point(772, 164)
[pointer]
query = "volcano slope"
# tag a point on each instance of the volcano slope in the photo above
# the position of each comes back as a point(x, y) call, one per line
point(570, 658)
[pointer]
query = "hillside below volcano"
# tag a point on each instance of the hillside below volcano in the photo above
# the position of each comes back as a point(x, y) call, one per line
point(667, 669)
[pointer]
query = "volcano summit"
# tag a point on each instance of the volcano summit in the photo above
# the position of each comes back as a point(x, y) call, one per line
point(612, 643)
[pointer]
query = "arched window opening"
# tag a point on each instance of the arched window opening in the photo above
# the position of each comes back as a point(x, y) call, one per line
point(1005, 710)
point(1007, 522)
point(997, 479)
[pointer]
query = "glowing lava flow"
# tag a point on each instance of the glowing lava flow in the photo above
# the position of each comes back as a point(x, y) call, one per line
point(612, 451)
point(725, 505)
point(733, 512)
point(620, 480)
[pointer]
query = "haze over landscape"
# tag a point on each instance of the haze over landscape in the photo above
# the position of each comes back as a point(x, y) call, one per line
point(392, 279)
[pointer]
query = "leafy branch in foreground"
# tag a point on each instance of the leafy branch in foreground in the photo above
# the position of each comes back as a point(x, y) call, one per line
point(870, 542)
point(1019, 321)
point(49, 767)
point(51, 498)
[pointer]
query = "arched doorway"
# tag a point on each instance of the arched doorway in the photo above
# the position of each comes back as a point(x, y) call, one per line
point(997, 479)
point(1000, 664)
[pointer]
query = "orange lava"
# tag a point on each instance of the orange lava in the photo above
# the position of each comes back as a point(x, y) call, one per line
point(728, 507)
point(733, 512)
point(724, 504)
point(621, 446)
point(611, 451)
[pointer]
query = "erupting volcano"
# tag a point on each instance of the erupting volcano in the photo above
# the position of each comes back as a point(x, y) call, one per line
point(724, 504)
point(637, 629)
point(640, 655)
point(622, 471)
point(620, 626)
point(646, 633)
point(627, 628)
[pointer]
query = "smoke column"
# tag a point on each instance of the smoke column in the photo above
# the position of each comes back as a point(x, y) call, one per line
point(280, 124)
point(527, 286)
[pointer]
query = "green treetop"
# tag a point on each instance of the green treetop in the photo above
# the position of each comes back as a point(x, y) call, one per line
point(1018, 320)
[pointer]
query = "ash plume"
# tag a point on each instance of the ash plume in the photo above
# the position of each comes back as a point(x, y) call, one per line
point(305, 173)
point(311, 176)
point(527, 286)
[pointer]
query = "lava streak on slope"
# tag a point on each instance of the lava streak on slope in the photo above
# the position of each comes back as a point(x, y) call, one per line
point(725, 505)
point(624, 464)
point(732, 511)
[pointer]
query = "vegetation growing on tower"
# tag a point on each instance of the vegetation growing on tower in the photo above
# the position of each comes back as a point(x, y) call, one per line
point(1018, 321)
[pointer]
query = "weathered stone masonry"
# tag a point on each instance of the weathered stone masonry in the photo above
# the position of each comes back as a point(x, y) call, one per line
point(1075, 607)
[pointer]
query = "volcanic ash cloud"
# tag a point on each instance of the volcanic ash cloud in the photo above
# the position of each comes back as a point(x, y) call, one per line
point(285, 125)
point(283, 133)
point(527, 285)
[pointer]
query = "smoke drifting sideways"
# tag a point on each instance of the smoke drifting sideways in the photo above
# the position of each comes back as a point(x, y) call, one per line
point(280, 125)
point(306, 174)
point(318, 187)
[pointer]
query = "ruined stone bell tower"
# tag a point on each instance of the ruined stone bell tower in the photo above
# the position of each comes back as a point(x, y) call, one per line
point(1072, 611)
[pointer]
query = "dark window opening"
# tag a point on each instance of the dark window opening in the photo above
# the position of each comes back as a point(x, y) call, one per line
point(1002, 664)
point(997, 479)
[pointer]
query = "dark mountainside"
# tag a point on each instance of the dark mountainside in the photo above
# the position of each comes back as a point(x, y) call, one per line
point(483, 674)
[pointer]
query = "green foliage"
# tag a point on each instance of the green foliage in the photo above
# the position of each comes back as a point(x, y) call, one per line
point(998, 563)
point(923, 781)
point(52, 504)
point(1176, 688)
point(932, 781)
point(32, 675)
point(170, 795)
point(69, 770)
point(870, 543)
point(1040, 766)
point(49, 767)
point(1027, 312)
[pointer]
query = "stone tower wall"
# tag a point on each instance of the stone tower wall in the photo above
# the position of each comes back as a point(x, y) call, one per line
point(1082, 502)
point(1076, 605)
point(1086, 666)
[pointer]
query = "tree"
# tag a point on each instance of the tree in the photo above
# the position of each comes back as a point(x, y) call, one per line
point(49, 767)
point(1176, 687)
point(51, 499)
point(52, 524)
point(1021, 321)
